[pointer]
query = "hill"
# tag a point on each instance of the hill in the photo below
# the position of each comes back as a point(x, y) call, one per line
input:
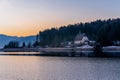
point(4, 39)
point(101, 31)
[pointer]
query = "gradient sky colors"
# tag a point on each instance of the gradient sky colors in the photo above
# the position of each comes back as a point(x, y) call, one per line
point(27, 17)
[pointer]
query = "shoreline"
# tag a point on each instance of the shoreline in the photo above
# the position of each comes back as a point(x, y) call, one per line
point(81, 52)
point(77, 49)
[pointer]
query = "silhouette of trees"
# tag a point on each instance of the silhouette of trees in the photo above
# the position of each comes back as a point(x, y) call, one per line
point(23, 45)
point(29, 45)
point(12, 44)
point(102, 31)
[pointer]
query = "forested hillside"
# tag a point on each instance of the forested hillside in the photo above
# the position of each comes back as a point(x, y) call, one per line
point(102, 31)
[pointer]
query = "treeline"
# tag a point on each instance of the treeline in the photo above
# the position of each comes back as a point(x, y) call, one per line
point(102, 31)
point(12, 44)
point(15, 44)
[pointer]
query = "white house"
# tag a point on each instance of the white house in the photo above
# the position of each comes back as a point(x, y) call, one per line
point(81, 39)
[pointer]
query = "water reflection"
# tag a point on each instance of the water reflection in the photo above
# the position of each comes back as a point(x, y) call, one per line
point(58, 68)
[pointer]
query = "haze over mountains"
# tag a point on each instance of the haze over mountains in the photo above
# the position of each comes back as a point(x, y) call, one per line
point(4, 39)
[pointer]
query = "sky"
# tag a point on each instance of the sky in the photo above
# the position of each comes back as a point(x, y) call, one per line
point(28, 17)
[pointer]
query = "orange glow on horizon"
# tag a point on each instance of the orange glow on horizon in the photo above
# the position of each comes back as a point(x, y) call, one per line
point(32, 29)
point(28, 17)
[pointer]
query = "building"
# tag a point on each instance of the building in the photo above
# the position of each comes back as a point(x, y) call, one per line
point(81, 39)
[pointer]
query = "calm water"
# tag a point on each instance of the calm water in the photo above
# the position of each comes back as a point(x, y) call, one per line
point(58, 68)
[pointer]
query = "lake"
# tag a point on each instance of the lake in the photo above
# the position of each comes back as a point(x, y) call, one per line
point(57, 68)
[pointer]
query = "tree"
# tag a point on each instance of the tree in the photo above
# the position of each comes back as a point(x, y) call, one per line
point(29, 45)
point(23, 45)
point(12, 44)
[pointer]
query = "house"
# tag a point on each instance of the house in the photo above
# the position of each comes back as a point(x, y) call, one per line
point(81, 39)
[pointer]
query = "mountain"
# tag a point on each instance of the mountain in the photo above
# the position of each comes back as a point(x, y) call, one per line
point(4, 39)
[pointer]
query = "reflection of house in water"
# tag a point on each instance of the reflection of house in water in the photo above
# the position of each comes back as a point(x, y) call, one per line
point(81, 39)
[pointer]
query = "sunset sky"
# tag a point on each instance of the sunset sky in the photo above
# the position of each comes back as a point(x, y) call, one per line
point(27, 17)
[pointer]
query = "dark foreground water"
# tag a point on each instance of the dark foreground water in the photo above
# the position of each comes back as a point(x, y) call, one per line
point(58, 68)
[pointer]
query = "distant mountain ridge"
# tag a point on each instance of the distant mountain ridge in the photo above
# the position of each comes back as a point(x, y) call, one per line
point(5, 39)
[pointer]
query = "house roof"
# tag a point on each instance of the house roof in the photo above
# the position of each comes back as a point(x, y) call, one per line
point(80, 36)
